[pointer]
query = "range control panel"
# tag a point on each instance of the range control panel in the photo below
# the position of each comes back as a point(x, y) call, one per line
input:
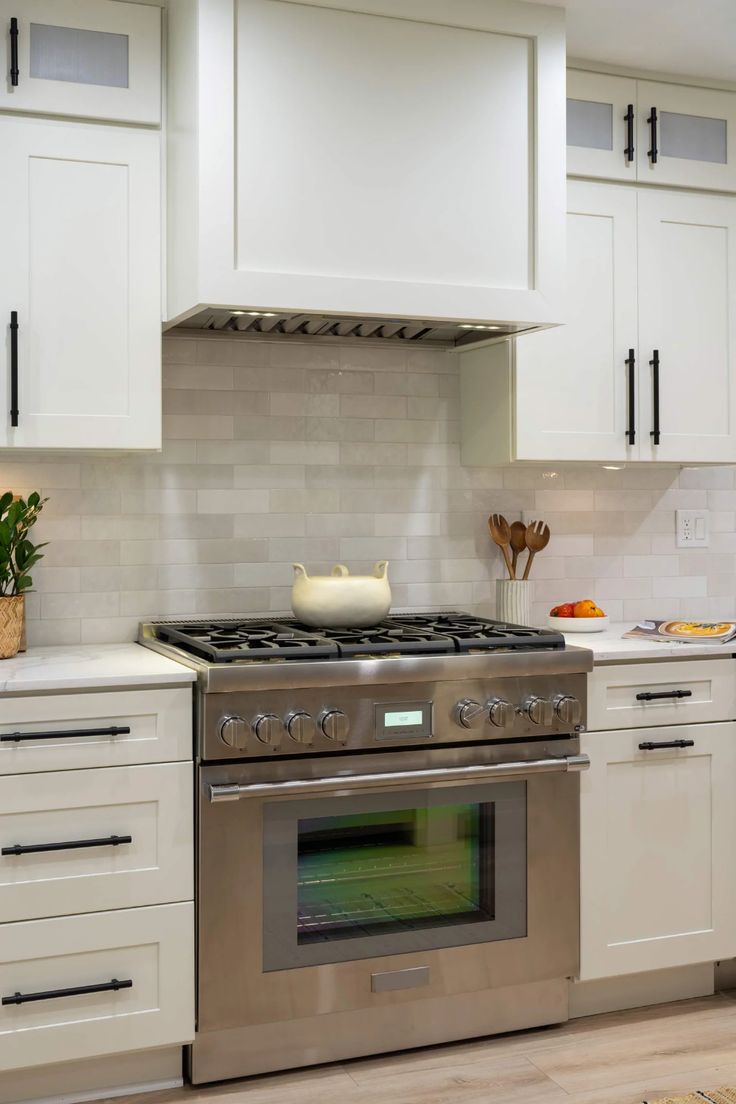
point(285, 722)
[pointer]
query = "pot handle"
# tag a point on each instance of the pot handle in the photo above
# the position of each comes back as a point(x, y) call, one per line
point(340, 570)
point(380, 570)
point(300, 570)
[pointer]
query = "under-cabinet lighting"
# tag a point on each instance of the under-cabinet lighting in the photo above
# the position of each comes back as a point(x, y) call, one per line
point(477, 326)
point(613, 467)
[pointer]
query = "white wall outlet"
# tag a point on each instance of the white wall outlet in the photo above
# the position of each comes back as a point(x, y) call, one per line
point(692, 528)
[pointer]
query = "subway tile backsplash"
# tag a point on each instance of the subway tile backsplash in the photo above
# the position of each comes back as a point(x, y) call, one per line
point(276, 452)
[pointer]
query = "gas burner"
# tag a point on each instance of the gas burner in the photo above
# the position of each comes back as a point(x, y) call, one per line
point(261, 640)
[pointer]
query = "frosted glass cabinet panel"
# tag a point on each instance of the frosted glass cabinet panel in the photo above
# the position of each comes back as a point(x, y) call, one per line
point(83, 367)
point(624, 129)
point(601, 125)
point(687, 136)
point(87, 58)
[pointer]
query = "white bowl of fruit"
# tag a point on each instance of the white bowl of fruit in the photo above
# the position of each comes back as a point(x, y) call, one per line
point(578, 617)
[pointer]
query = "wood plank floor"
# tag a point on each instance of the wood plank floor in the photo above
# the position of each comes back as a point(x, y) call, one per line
point(619, 1058)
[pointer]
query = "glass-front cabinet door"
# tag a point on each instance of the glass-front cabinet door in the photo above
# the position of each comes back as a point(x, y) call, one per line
point(686, 136)
point(601, 125)
point(96, 59)
point(381, 874)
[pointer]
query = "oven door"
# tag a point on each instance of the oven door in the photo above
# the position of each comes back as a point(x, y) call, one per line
point(316, 893)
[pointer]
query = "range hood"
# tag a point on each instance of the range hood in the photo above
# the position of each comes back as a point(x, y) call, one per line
point(327, 327)
point(366, 170)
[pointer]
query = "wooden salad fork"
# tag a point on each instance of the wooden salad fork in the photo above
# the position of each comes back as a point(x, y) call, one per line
point(537, 538)
point(500, 532)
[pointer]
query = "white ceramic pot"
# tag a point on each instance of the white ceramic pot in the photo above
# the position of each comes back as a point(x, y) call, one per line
point(341, 600)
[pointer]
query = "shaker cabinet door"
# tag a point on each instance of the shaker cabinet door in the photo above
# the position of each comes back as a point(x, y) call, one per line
point(601, 125)
point(574, 397)
point(81, 281)
point(98, 59)
point(686, 136)
point(687, 327)
point(658, 849)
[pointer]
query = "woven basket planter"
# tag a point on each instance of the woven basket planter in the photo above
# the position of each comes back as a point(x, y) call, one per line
point(11, 625)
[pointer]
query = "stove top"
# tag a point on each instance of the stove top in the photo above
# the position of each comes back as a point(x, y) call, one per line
point(249, 640)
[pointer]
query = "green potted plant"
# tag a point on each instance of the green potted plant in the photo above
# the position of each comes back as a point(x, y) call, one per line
point(17, 557)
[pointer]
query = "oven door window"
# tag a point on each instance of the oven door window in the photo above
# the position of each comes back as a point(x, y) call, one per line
point(372, 875)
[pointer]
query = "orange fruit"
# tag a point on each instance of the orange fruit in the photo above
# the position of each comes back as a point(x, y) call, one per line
point(587, 608)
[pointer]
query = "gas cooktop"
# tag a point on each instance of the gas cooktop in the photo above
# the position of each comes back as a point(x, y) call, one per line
point(243, 640)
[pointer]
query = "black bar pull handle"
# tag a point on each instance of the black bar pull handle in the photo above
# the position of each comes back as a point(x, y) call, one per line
point(652, 120)
point(654, 433)
point(654, 745)
point(629, 120)
point(113, 730)
point(658, 695)
point(14, 70)
point(67, 845)
point(630, 363)
point(73, 991)
point(14, 368)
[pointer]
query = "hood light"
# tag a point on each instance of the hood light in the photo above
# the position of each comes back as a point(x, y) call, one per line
point(475, 326)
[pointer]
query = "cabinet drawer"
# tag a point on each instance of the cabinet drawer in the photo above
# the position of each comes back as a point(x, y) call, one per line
point(95, 840)
point(72, 731)
point(87, 58)
point(680, 691)
point(150, 950)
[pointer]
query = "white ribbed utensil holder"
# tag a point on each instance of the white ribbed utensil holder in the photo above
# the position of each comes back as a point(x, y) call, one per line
point(513, 601)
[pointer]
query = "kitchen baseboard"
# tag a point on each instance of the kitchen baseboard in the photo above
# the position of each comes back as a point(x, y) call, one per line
point(589, 998)
point(92, 1079)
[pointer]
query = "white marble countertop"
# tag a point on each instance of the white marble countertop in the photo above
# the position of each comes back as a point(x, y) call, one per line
point(608, 646)
point(85, 666)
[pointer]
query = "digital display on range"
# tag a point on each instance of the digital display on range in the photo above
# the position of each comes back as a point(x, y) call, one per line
point(408, 719)
point(397, 720)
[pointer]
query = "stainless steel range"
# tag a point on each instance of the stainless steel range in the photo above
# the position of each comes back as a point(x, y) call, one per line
point(388, 834)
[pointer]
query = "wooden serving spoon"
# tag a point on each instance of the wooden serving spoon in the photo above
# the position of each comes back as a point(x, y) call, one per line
point(518, 543)
point(537, 538)
point(500, 532)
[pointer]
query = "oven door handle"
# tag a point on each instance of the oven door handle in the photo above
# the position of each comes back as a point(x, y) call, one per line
point(337, 785)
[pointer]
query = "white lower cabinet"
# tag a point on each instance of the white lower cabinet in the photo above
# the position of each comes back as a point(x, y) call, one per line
point(99, 839)
point(658, 848)
point(100, 983)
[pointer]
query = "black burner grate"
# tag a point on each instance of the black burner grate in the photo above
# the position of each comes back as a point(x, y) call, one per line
point(226, 641)
point(244, 639)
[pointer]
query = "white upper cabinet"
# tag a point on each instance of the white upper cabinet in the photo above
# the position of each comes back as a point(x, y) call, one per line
point(80, 363)
point(687, 326)
point(686, 136)
point(87, 58)
point(377, 157)
point(655, 133)
point(645, 368)
point(572, 383)
point(601, 125)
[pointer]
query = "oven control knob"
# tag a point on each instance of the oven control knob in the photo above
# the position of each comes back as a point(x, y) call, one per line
point(501, 713)
point(470, 714)
point(234, 732)
point(301, 727)
point(335, 725)
point(568, 710)
point(268, 728)
point(540, 711)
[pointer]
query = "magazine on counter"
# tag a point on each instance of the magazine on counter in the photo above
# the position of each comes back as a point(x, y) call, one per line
point(685, 632)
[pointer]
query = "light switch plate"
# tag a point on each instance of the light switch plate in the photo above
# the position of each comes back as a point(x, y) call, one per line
point(692, 528)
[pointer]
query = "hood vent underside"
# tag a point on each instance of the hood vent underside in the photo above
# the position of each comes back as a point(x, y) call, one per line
point(275, 324)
